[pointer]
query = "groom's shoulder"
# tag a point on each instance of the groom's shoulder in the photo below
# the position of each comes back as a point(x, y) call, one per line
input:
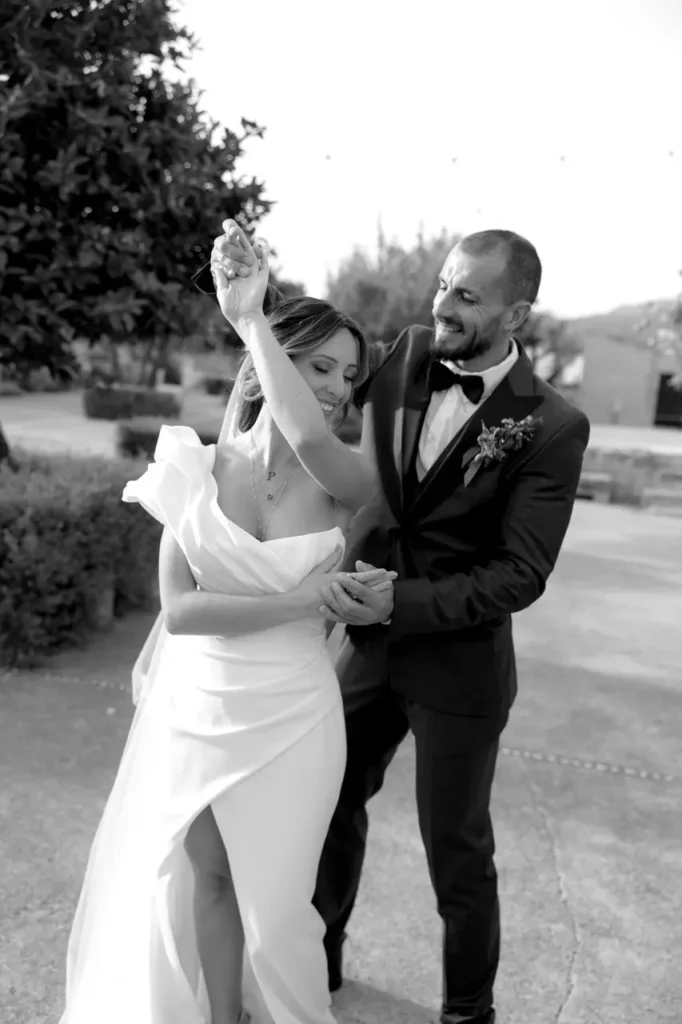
point(390, 362)
point(411, 344)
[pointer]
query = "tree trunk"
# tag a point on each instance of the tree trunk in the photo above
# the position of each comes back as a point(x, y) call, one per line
point(5, 453)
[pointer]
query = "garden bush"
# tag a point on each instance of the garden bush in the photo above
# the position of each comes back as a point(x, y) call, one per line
point(67, 545)
point(217, 386)
point(136, 439)
point(122, 403)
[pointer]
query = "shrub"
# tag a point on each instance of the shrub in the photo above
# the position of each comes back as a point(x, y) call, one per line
point(66, 541)
point(10, 387)
point(136, 439)
point(172, 371)
point(217, 386)
point(121, 403)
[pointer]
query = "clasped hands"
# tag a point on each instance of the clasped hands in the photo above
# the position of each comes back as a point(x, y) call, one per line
point(240, 273)
point(359, 598)
point(362, 598)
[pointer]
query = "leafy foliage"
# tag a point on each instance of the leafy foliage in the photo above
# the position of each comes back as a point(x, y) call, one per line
point(392, 290)
point(550, 343)
point(116, 403)
point(65, 542)
point(136, 438)
point(112, 182)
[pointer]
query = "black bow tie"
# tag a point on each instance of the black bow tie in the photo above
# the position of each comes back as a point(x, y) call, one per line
point(441, 378)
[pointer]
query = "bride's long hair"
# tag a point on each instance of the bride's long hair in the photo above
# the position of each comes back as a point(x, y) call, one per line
point(300, 325)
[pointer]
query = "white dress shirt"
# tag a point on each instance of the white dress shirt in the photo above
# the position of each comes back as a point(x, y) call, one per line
point(449, 410)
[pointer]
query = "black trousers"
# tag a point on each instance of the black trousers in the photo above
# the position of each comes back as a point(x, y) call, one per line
point(455, 763)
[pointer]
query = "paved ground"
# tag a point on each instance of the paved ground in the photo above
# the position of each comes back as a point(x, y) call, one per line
point(587, 807)
point(55, 422)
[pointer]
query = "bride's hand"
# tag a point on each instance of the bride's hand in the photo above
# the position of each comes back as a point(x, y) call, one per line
point(312, 587)
point(242, 295)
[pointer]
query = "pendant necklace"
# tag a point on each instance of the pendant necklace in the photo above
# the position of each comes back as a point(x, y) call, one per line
point(273, 495)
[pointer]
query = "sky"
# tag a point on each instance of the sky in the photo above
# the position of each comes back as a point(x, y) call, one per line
point(559, 119)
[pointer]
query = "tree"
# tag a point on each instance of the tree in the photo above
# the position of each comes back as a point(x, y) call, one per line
point(112, 182)
point(550, 343)
point(388, 292)
point(5, 453)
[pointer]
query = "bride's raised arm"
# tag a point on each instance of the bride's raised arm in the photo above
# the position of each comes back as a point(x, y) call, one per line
point(348, 476)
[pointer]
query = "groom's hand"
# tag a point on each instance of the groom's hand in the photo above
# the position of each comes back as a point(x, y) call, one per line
point(351, 602)
point(231, 254)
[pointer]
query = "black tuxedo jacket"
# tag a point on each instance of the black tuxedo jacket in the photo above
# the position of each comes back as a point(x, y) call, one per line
point(468, 556)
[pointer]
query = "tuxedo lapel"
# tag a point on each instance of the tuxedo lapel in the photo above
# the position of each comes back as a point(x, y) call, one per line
point(513, 398)
point(399, 402)
point(417, 400)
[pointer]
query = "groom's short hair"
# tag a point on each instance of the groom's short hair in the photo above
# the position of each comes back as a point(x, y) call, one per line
point(524, 270)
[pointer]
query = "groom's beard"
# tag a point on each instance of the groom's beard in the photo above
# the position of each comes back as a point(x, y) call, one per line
point(453, 343)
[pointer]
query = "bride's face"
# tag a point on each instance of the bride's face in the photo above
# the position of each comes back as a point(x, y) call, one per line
point(330, 371)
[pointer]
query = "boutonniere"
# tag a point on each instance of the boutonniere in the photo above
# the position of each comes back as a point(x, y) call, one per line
point(494, 444)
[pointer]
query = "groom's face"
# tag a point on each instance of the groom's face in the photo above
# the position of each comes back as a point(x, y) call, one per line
point(470, 308)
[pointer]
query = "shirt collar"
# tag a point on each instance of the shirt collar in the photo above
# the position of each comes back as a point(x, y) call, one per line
point(494, 374)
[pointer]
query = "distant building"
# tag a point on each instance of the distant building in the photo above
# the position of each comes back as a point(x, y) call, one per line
point(623, 381)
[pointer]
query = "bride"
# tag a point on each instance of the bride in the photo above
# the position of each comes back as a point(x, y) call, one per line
point(205, 860)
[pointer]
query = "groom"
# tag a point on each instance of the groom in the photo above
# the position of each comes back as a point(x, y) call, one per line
point(473, 524)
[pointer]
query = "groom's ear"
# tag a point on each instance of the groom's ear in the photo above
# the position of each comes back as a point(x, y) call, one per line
point(517, 316)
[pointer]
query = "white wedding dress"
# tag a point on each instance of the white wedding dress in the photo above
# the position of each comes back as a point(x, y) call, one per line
point(252, 726)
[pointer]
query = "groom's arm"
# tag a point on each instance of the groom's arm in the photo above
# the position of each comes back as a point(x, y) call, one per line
point(514, 576)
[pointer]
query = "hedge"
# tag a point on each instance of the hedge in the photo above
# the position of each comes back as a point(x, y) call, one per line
point(217, 386)
point(67, 542)
point(136, 439)
point(121, 403)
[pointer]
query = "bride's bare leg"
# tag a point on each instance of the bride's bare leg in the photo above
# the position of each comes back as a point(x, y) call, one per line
point(220, 936)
